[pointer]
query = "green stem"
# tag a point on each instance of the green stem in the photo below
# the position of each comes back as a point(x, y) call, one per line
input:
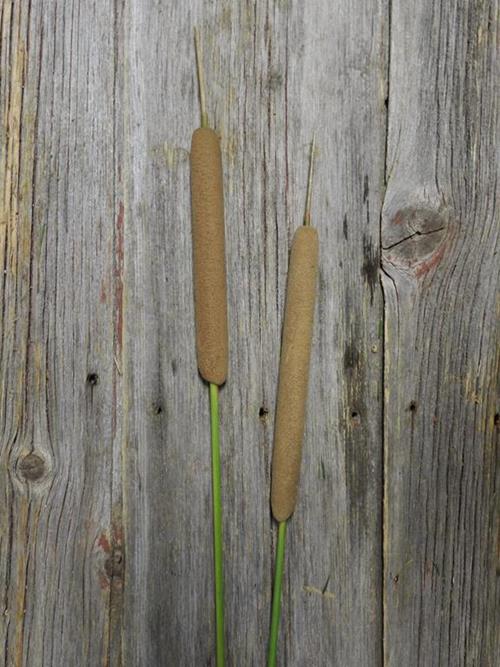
point(276, 608)
point(217, 519)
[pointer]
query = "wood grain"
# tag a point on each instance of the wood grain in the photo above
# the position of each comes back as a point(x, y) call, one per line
point(105, 519)
point(440, 237)
point(269, 87)
point(59, 345)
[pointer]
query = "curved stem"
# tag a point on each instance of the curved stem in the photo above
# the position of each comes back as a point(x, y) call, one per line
point(217, 521)
point(276, 608)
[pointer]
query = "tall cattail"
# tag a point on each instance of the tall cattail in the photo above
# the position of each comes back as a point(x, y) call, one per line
point(209, 266)
point(209, 272)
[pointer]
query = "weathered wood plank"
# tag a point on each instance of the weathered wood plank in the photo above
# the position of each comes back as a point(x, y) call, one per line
point(275, 72)
point(336, 63)
point(58, 333)
point(97, 366)
point(440, 234)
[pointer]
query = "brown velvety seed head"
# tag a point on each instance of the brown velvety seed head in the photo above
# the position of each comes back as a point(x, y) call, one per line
point(209, 266)
point(294, 372)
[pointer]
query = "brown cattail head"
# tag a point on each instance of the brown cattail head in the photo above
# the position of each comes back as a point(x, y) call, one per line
point(209, 266)
point(294, 371)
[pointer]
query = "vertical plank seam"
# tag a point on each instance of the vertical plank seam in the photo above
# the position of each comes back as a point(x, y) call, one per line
point(285, 640)
point(383, 495)
point(117, 557)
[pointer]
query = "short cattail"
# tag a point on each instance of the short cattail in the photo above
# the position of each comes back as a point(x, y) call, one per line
point(294, 371)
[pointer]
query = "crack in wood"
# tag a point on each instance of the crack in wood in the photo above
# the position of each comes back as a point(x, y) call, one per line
point(411, 236)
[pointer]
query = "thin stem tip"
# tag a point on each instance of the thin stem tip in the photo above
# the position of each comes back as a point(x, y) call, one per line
point(201, 77)
point(307, 213)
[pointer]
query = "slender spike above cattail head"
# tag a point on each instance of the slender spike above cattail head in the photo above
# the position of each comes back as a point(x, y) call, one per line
point(307, 213)
point(201, 78)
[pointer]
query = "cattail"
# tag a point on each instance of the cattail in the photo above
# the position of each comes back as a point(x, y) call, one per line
point(209, 267)
point(292, 393)
point(294, 371)
point(209, 272)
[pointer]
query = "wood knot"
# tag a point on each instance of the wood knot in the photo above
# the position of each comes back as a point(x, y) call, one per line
point(32, 467)
point(415, 238)
point(113, 565)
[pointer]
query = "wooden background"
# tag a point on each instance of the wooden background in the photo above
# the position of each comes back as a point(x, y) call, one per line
point(393, 553)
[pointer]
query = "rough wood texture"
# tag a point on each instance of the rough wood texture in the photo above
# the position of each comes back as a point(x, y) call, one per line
point(105, 521)
point(60, 334)
point(265, 97)
point(440, 238)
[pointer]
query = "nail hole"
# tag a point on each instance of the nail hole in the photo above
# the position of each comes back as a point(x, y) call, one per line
point(92, 379)
point(496, 419)
point(355, 418)
point(412, 407)
point(157, 408)
point(263, 412)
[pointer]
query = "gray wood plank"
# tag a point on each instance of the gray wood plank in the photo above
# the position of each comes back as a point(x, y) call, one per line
point(440, 237)
point(105, 520)
point(275, 72)
point(59, 289)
